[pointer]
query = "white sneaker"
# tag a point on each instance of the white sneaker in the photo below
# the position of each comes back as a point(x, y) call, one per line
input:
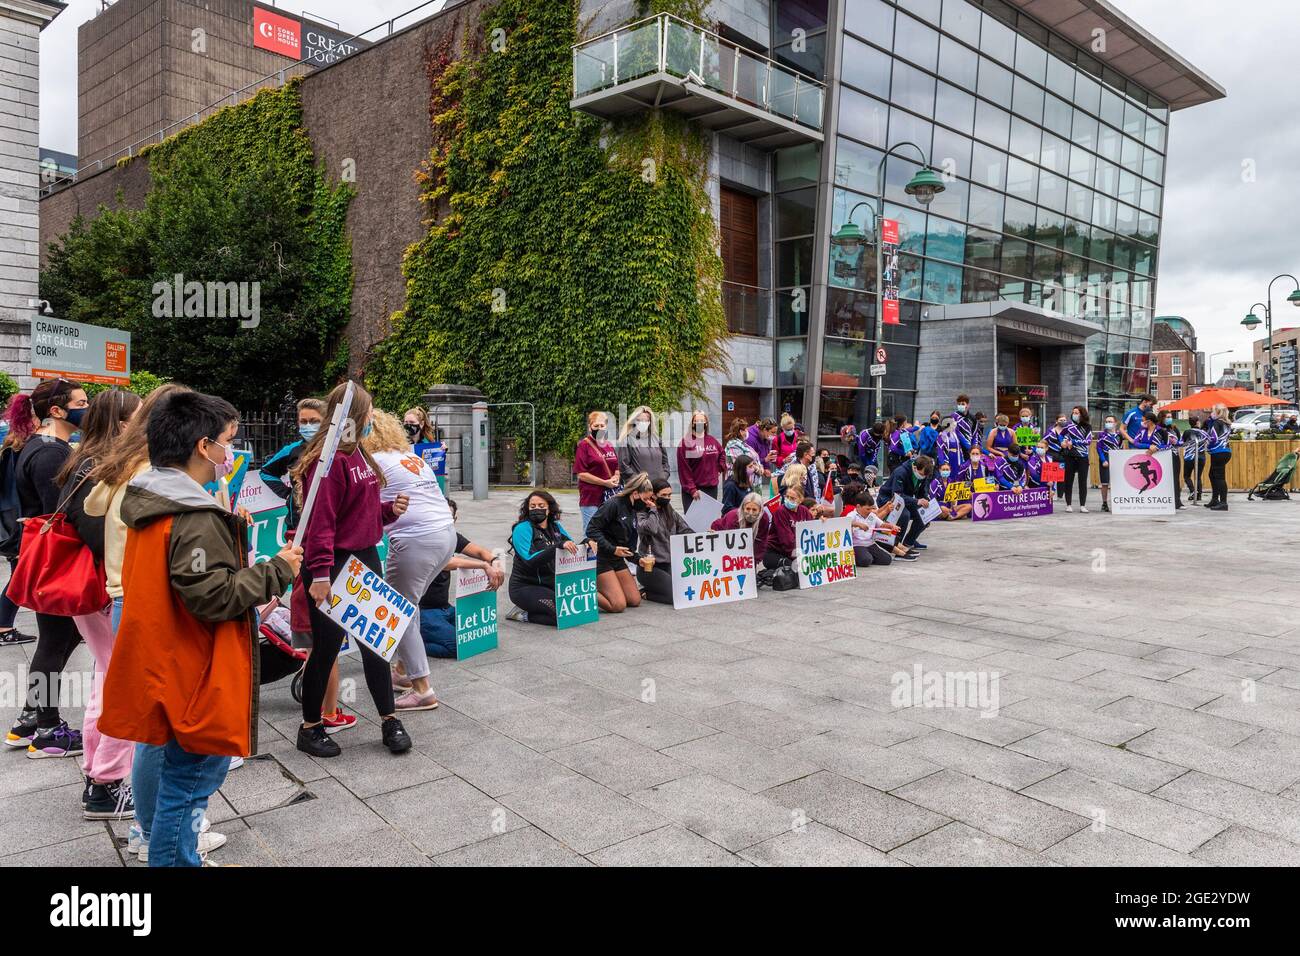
point(208, 841)
point(1070, 508)
point(517, 614)
point(236, 763)
point(1082, 510)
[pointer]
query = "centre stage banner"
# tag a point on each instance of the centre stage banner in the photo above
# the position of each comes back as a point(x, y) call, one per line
point(825, 552)
point(996, 505)
point(1141, 483)
point(713, 568)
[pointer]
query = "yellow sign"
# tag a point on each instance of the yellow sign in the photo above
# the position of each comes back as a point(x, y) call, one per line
point(957, 491)
point(985, 484)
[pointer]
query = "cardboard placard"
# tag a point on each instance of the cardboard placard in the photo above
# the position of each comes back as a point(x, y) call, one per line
point(575, 589)
point(1053, 471)
point(702, 512)
point(825, 552)
point(957, 491)
point(713, 568)
point(476, 614)
point(368, 608)
point(1142, 483)
point(999, 505)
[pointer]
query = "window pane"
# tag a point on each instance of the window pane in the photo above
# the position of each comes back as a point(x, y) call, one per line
point(1112, 108)
point(1055, 154)
point(1017, 259)
point(862, 117)
point(1018, 220)
point(995, 82)
point(798, 166)
point(1135, 120)
point(1087, 93)
point(907, 128)
point(992, 124)
point(1131, 155)
point(871, 19)
point(1129, 187)
point(1025, 139)
point(1060, 78)
point(1107, 180)
point(1085, 130)
point(866, 68)
point(1082, 165)
point(855, 166)
point(1076, 238)
point(962, 20)
point(1050, 228)
point(1028, 101)
point(1103, 211)
point(1022, 179)
point(911, 228)
point(1126, 220)
point(985, 208)
point(790, 361)
point(1058, 115)
point(989, 167)
point(1078, 202)
point(952, 201)
point(980, 286)
point(958, 64)
point(925, 9)
point(916, 42)
point(790, 321)
point(796, 212)
point(998, 40)
point(1153, 165)
point(844, 363)
point(952, 152)
point(794, 262)
point(1155, 134)
point(1031, 59)
point(942, 282)
point(1052, 191)
point(840, 407)
point(913, 89)
point(850, 314)
point(945, 239)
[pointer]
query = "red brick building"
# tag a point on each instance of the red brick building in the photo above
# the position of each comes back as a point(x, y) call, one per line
point(1174, 367)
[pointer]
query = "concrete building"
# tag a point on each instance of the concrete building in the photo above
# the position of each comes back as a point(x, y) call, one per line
point(21, 23)
point(1283, 353)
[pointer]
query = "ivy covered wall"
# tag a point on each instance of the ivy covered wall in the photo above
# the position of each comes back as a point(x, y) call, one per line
point(235, 199)
point(568, 263)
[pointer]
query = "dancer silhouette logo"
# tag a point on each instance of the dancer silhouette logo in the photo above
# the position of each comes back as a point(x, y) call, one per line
point(1143, 473)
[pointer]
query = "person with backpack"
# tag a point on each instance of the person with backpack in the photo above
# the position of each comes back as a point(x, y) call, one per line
point(106, 761)
point(60, 405)
point(184, 671)
point(21, 422)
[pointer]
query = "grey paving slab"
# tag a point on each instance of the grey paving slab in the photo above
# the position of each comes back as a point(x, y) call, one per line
point(1118, 765)
point(91, 849)
point(582, 814)
point(1152, 817)
point(525, 846)
point(620, 764)
point(653, 726)
point(667, 846)
point(756, 724)
point(998, 765)
point(1122, 685)
point(966, 722)
point(718, 811)
point(1024, 686)
point(1240, 846)
point(544, 728)
point(1114, 847)
point(42, 818)
point(864, 813)
point(742, 762)
point(308, 829)
point(1003, 813)
point(444, 814)
point(1203, 726)
point(957, 844)
point(859, 759)
point(1271, 764)
point(815, 845)
point(1234, 803)
point(1081, 721)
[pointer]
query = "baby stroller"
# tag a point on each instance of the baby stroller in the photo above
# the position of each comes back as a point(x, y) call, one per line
point(1273, 488)
point(279, 658)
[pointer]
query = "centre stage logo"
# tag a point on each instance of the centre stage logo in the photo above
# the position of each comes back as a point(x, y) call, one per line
point(1143, 473)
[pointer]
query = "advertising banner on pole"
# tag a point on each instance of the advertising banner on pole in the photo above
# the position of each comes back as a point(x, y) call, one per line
point(825, 552)
point(1141, 483)
point(998, 505)
point(889, 271)
point(712, 568)
point(84, 353)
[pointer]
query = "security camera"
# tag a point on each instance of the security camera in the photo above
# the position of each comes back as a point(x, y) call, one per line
point(42, 304)
point(693, 77)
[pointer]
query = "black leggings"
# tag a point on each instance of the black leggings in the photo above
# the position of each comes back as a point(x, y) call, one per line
point(658, 585)
point(537, 600)
point(775, 559)
point(1193, 474)
point(327, 638)
point(1176, 463)
point(57, 638)
point(1218, 480)
point(1076, 466)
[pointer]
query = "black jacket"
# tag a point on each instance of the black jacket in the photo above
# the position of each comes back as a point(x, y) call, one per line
point(613, 526)
point(903, 481)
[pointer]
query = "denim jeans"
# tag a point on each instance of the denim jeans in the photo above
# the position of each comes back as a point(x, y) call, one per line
point(587, 511)
point(146, 769)
point(438, 629)
point(187, 781)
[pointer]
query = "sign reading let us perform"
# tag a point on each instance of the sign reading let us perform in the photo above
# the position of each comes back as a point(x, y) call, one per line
point(86, 353)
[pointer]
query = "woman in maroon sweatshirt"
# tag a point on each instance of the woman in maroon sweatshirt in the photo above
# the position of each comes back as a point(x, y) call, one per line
point(700, 461)
point(788, 513)
point(346, 519)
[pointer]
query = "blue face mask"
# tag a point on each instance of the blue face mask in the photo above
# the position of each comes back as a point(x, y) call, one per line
point(308, 432)
point(75, 415)
point(75, 439)
point(791, 505)
point(365, 432)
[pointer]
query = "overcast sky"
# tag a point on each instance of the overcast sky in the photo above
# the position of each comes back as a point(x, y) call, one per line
point(1223, 237)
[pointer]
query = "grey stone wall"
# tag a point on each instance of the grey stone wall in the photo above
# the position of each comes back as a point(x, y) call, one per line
point(957, 355)
point(19, 226)
point(750, 18)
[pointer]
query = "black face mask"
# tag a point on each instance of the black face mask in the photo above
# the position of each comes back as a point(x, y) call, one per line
point(639, 505)
point(934, 421)
point(412, 430)
point(537, 515)
point(665, 504)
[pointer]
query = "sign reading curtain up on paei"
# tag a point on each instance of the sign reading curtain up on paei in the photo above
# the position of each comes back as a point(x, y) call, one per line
point(84, 353)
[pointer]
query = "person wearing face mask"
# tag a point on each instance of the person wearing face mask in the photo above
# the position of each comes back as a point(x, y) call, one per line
point(534, 539)
point(981, 427)
point(59, 404)
point(1076, 441)
point(901, 444)
point(736, 446)
point(949, 511)
point(752, 515)
point(927, 437)
point(699, 461)
point(977, 469)
point(1000, 438)
point(1011, 470)
point(1218, 426)
point(782, 546)
point(1134, 418)
point(1052, 437)
point(739, 484)
point(1168, 438)
point(641, 450)
point(910, 481)
point(759, 437)
point(786, 442)
point(276, 468)
point(964, 424)
point(654, 549)
point(418, 428)
point(1194, 442)
point(1145, 437)
point(595, 462)
point(613, 530)
point(1107, 441)
point(347, 522)
point(869, 441)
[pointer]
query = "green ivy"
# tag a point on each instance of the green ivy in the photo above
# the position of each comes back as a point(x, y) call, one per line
point(8, 388)
point(571, 263)
point(237, 198)
point(142, 383)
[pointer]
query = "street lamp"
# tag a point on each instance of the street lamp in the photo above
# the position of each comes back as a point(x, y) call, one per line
point(1213, 356)
point(1251, 322)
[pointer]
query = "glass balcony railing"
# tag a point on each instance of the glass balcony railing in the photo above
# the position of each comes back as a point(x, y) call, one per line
point(667, 44)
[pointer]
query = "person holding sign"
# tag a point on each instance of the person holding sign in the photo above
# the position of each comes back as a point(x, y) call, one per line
point(867, 520)
point(1012, 471)
point(955, 494)
point(420, 542)
point(976, 469)
point(347, 519)
point(1000, 438)
point(613, 530)
point(700, 462)
point(752, 515)
point(1075, 443)
point(534, 538)
point(910, 482)
point(782, 545)
point(416, 425)
point(183, 672)
point(654, 551)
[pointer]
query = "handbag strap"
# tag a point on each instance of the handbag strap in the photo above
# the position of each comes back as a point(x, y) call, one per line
point(73, 492)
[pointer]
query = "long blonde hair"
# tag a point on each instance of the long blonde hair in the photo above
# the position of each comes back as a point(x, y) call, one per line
point(631, 422)
point(796, 474)
point(386, 434)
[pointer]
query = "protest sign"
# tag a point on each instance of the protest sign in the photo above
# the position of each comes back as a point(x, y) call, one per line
point(1053, 471)
point(1027, 436)
point(825, 552)
point(255, 496)
point(997, 505)
point(1141, 483)
point(713, 568)
point(476, 614)
point(957, 492)
point(575, 588)
point(368, 608)
point(435, 453)
point(703, 511)
point(931, 511)
point(985, 484)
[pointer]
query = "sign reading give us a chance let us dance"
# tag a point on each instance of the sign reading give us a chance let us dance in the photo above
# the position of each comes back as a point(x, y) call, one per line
point(825, 552)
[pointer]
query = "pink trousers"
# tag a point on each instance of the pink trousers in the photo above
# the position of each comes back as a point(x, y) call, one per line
point(105, 758)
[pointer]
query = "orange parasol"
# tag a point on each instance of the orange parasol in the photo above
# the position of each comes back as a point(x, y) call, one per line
point(1228, 397)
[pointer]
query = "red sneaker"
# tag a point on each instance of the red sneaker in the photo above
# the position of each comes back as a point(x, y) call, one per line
point(338, 721)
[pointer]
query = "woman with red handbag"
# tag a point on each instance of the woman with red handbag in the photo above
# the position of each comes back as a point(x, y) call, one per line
point(60, 405)
point(106, 761)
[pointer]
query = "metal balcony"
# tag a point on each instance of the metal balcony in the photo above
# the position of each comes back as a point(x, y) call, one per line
point(666, 62)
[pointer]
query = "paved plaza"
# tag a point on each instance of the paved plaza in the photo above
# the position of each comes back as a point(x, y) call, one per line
point(1139, 703)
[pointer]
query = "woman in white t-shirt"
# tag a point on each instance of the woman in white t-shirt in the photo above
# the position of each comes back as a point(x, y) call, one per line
point(420, 542)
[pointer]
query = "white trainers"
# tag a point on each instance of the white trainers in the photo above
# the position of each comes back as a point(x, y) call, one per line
point(1070, 508)
point(236, 763)
point(209, 840)
point(1082, 510)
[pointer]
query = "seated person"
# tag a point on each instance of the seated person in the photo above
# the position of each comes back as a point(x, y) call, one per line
point(782, 545)
point(910, 481)
point(976, 469)
point(654, 551)
point(751, 514)
point(437, 615)
point(948, 510)
point(534, 539)
point(867, 551)
point(1012, 470)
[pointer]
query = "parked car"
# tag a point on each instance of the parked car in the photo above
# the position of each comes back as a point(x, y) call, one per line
point(1258, 421)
